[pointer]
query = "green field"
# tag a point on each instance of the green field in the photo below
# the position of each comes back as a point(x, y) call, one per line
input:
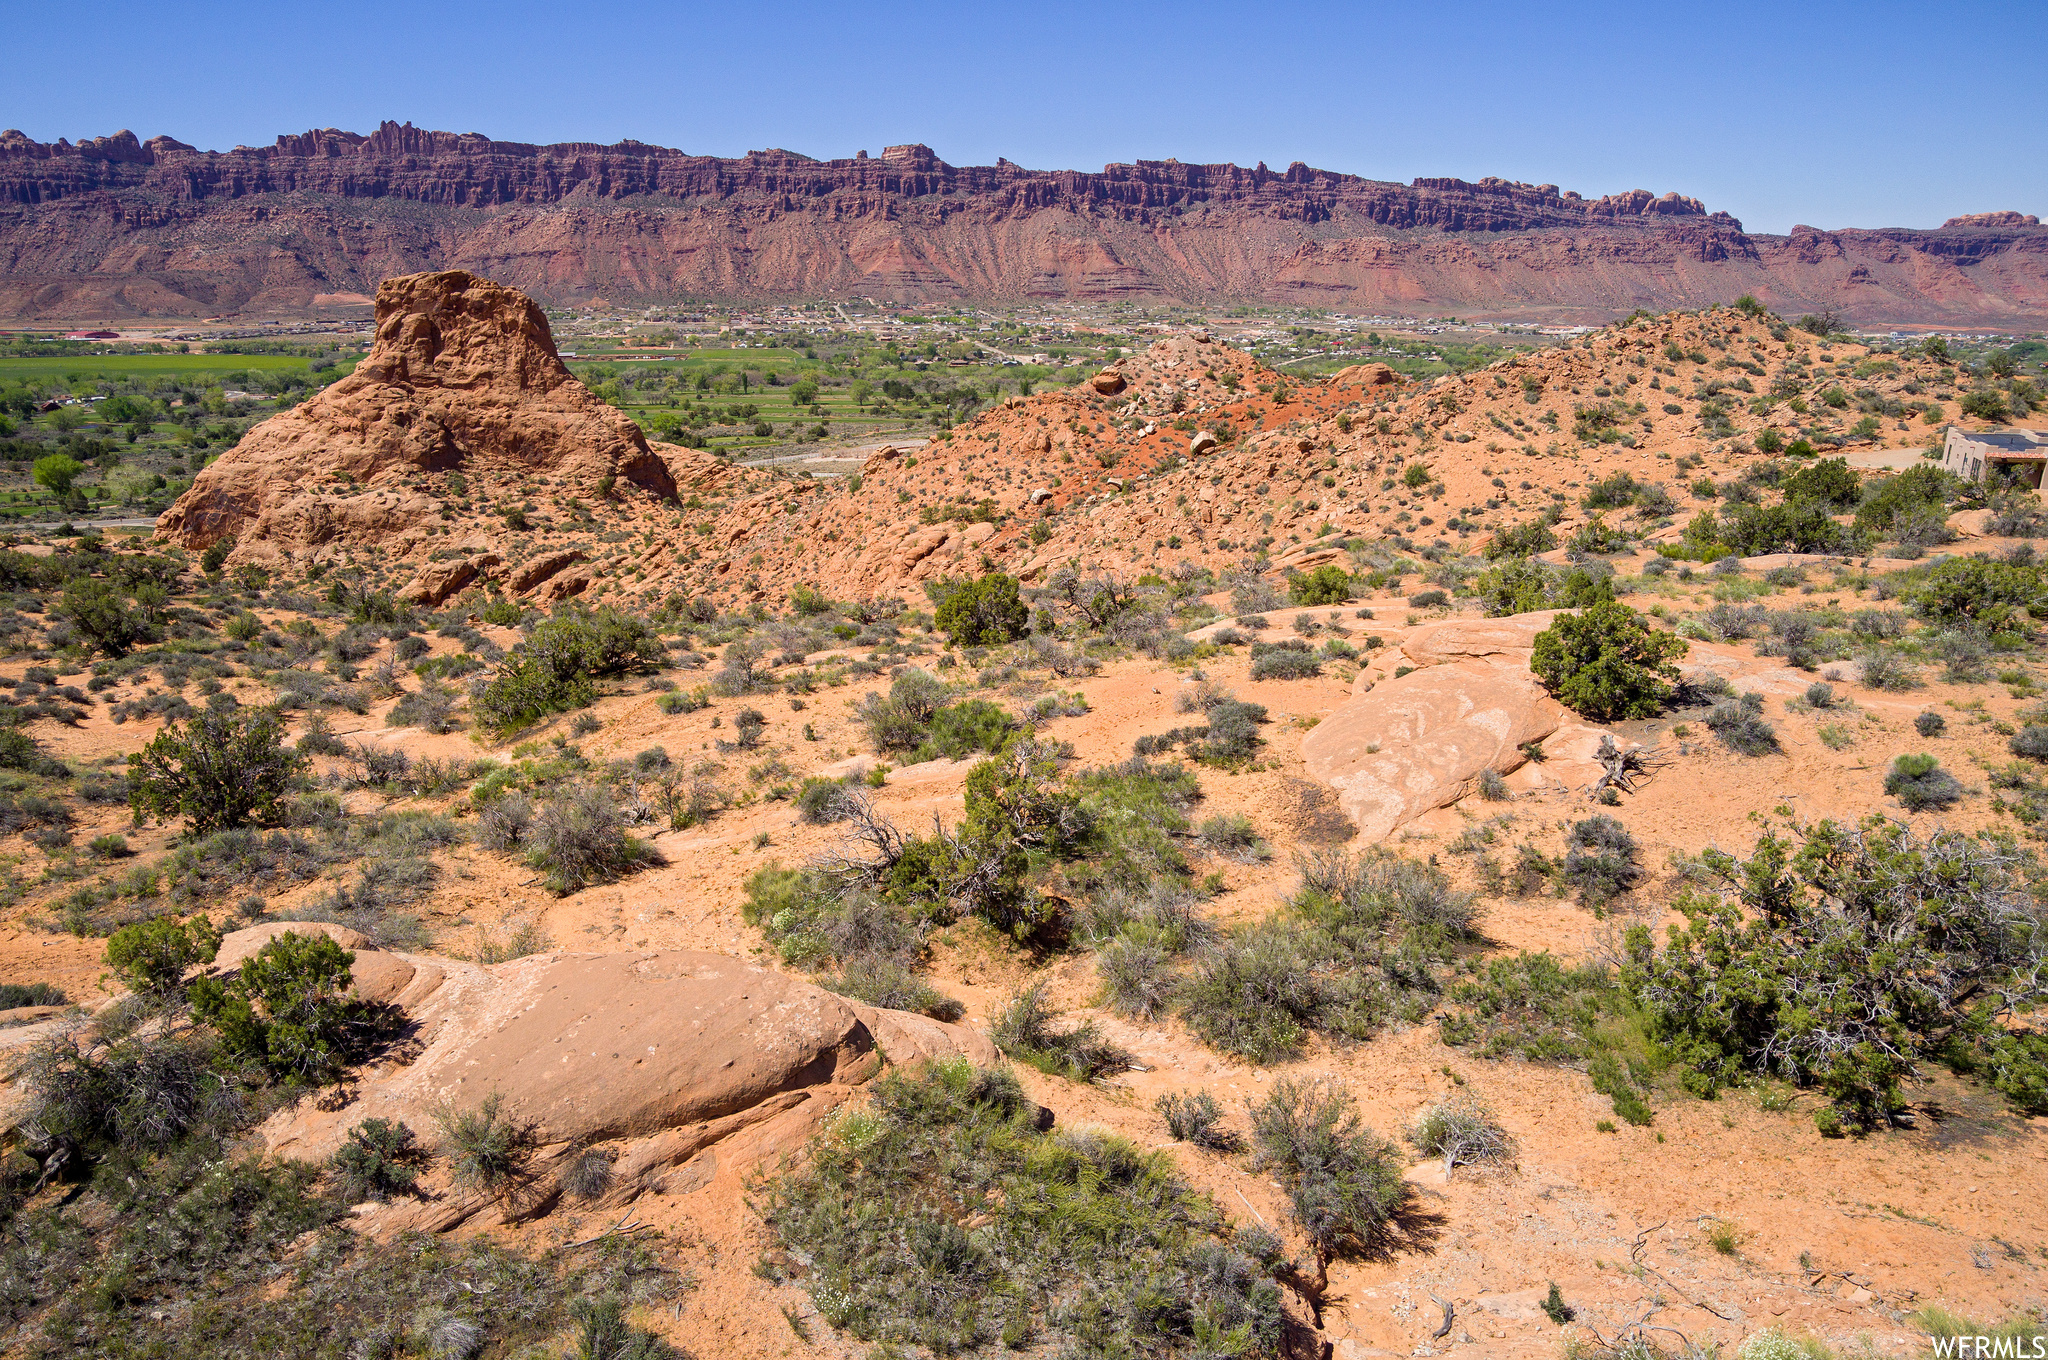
point(94, 367)
point(697, 358)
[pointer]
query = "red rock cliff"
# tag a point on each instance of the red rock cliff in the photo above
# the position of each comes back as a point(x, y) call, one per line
point(116, 226)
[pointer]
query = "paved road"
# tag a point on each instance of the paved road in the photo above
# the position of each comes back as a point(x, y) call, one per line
point(87, 523)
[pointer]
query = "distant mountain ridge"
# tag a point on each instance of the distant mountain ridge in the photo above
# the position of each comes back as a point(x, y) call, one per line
point(114, 226)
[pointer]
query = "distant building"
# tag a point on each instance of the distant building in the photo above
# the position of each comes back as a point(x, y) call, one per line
point(92, 335)
point(1987, 455)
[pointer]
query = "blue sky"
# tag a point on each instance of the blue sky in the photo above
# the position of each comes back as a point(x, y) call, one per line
point(1830, 114)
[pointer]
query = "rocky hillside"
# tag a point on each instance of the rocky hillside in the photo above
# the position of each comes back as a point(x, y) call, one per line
point(462, 454)
point(114, 226)
point(1108, 475)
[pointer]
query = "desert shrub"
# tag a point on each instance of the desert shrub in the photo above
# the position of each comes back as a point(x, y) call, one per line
point(1794, 637)
point(1521, 540)
point(578, 838)
point(354, 644)
point(961, 729)
point(1881, 624)
point(1233, 836)
point(1138, 977)
point(1917, 491)
point(985, 612)
point(195, 1238)
point(1521, 585)
point(368, 903)
point(488, 1150)
point(1464, 1132)
point(1024, 1029)
point(673, 701)
point(137, 1093)
point(1195, 1117)
point(1884, 669)
point(1379, 890)
point(1987, 403)
point(1731, 622)
point(2014, 515)
point(941, 1217)
point(288, 1008)
point(1919, 783)
point(1230, 735)
point(1605, 663)
point(1844, 958)
point(1257, 994)
point(819, 801)
point(1963, 652)
point(1741, 726)
point(522, 940)
point(2030, 741)
point(101, 614)
point(16, 994)
point(1343, 1182)
point(379, 767)
point(1516, 585)
point(1976, 591)
point(1930, 724)
point(899, 722)
point(556, 668)
point(19, 751)
point(1357, 944)
point(1828, 482)
point(1747, 529)
point(152, 957)
point(379, 1159)
point(430, 708)
point(588, 1174)
point(1529, 1006)
point(1532, 1007)
point(811, 921)
point(223, 768)
point(1281, 663)
point(1255, 597)
point(1820, 694)
point(1327, 584)
point(602, 1333)
point(1600, 859)
point(504, 822)
point(888, 980)
point(748, 724)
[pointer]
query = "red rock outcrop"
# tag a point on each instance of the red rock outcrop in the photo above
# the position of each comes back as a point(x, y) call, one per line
point(463, 378)
point(119, 227)
point(1993, 219)
point(653, 1055)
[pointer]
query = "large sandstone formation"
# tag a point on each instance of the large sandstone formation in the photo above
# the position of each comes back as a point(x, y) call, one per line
point(1405, 745)
point(651, 1057)
point(114, 226)
point(463, 377)
point(1409, 744)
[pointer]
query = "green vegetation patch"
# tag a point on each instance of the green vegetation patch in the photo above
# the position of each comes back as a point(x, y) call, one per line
point(942, 1215)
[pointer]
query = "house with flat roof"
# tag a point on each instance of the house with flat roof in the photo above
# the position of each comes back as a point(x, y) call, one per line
point(1993, 455)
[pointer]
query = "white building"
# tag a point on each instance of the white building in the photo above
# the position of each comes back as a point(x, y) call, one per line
point(1983, 455)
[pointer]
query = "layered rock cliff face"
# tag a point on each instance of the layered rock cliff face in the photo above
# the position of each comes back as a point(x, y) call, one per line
point(464, 379)
point(114, 226)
